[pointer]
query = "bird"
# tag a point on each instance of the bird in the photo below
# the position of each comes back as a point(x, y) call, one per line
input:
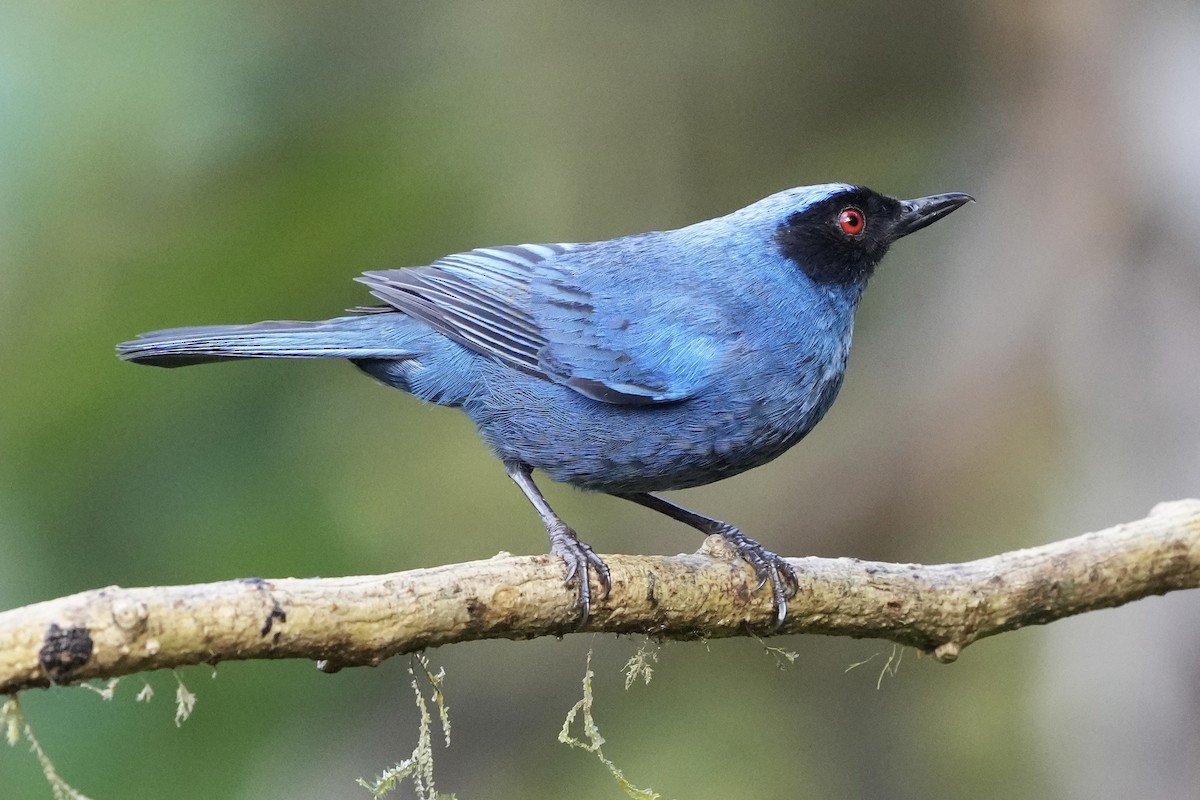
point(646, 363)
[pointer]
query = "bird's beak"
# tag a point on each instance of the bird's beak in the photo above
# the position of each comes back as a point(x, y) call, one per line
point(924, 211)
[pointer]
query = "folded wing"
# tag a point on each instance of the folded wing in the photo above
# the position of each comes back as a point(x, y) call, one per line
point(540, 309)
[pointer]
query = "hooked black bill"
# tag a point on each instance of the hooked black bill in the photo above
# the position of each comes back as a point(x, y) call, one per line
point(924, 211)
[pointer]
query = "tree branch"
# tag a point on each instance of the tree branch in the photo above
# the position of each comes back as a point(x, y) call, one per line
point(362, 620)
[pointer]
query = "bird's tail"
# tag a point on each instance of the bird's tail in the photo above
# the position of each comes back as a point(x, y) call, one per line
point(362, 336)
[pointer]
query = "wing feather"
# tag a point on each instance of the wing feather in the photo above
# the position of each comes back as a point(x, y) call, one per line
point(480, 299)
point(538, 309)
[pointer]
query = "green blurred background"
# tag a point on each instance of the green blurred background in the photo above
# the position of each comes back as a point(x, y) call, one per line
point(1023, 372)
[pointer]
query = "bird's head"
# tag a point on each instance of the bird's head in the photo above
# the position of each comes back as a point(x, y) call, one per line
point(837, 234)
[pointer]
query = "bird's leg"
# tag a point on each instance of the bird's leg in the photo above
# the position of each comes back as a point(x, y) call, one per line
point(563, 541)
point(768, 566)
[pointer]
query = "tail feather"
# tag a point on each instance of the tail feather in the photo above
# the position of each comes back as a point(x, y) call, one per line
point(343, 337)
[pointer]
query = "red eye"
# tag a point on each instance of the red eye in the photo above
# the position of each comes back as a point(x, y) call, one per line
point(851, 221)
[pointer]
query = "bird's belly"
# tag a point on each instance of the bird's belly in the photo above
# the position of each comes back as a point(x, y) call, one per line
point(615, 448)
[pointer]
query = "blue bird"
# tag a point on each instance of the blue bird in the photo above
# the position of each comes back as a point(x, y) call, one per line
point(641, 364)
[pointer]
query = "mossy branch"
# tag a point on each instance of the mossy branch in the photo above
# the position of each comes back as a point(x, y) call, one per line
point(340, 622)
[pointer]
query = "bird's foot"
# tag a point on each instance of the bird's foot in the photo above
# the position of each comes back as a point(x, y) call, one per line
point(768, 566)
point(581, 561)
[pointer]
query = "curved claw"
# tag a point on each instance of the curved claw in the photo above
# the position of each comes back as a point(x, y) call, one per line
point(581, 561)
point(769, 567)
point(580, 558)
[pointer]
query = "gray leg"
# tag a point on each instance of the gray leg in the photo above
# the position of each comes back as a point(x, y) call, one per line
point(563, 541)
point(768, 566)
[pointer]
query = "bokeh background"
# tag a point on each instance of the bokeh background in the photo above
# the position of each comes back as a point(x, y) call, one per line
point(1025, 371)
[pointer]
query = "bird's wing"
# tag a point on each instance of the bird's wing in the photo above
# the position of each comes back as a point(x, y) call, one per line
point(480, 299)
point(530, 307)
point(623, 342)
